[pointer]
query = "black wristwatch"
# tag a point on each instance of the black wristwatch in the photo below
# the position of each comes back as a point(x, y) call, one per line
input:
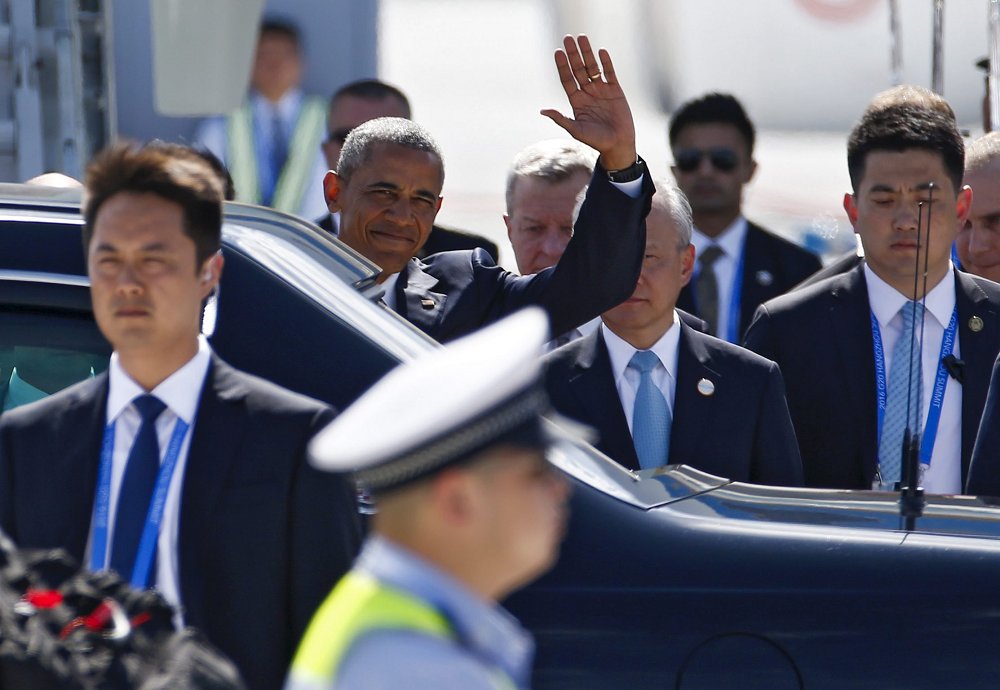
point(629, 174)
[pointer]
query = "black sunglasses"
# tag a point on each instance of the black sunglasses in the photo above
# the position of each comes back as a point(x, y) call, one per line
point(339, 135)
point(723, 160)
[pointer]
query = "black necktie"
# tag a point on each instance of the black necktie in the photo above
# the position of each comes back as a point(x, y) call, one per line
point(707, 288)
point(137, 489)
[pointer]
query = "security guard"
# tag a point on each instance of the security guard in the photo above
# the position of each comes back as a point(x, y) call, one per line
point(452, 447)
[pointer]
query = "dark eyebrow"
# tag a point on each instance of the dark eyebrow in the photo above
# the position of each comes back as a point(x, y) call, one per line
point(882, 188)
point(926, 186)
point(151, 247)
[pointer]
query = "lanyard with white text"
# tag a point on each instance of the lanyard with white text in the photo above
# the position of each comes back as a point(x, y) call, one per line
point(151, 529)
point(937, 395)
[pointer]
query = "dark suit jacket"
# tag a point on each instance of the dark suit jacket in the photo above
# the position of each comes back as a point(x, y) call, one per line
point(842, 264)
point(742, 431)
point(821, 338)
point(454, 293)
point(771, 266)
point(441, 239)
point(984, 470)
point(262, 535)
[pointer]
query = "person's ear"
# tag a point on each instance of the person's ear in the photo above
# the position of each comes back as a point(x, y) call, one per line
point(851, 207)
point(687, 264)
point(332, 188)
point(963, 205)
point(211, 272)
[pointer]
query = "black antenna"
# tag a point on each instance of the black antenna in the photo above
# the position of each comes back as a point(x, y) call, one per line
point(911, 500)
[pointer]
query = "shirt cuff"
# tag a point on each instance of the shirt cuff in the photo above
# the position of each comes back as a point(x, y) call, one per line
point(633, 188)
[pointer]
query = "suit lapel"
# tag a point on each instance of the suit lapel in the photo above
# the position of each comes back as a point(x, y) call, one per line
point(855, 360)
point(593, 384)
point(218, 430)
point(978, 351)
point(691, 409)
point(415, 299)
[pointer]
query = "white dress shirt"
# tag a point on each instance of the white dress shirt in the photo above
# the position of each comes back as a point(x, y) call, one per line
point(664, 375)
point(731, 242)
point(180, 392)
point(944, 475)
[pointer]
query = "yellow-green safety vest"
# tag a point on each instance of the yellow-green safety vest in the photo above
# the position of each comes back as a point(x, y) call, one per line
point(291, 184)
point(360, 604)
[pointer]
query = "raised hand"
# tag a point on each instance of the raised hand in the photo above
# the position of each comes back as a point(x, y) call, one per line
point(601, 116)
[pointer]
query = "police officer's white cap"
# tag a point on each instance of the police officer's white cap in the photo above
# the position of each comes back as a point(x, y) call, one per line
point(440, 408)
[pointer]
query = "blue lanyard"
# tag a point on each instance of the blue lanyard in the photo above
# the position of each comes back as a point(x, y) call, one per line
point(733, 327)
point(937, 395)
point(151, 530)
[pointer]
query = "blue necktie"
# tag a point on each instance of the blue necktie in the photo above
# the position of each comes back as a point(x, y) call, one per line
point(904, 394)
point(650, 416)
point(279, 154)
point(137, 488)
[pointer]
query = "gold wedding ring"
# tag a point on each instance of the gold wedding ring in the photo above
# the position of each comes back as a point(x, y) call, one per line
point(592, 77)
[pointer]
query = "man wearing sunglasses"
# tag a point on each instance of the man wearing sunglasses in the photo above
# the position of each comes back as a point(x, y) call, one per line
point(364, 100)
point(740, 264)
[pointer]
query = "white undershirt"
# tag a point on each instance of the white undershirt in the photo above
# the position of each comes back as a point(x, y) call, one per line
point(944, 476)
point(627, 380)
point(731, 242)
point(180, 392)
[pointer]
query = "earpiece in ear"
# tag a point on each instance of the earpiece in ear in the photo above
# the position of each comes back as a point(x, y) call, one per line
point(207, 275)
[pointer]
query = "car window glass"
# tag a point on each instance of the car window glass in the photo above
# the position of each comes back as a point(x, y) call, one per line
point(43, 352)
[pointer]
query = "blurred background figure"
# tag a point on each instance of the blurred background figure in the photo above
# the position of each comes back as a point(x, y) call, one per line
point(740, 264)
point(468, 511)
point(357, 103)
point(978, 242)
point(271, 144)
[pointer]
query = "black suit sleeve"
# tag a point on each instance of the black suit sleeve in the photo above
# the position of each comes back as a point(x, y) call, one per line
point(759, 337)
point(598, 270)
point(325, 533)
point(6, 484)
point(984, 469)
point(776, 451)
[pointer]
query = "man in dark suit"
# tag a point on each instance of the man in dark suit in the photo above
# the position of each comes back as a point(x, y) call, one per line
point(388, 191)
point(843, 343)
point(364, 100)
point(173, 468)
point(725, 410)
point(740, 264)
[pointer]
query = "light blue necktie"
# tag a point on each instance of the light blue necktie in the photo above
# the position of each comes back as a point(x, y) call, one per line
point(650, 416)
point(137, 489)
point(904, 393)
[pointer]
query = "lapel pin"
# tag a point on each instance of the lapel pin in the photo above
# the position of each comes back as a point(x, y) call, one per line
point(975, 324)
point(764, 278)
point(427, 303)
point(706, 387)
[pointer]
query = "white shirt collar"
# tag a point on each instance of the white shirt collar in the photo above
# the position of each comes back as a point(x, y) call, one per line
point(886, 301)
point(287, 106)
point(180, 391)
point(730, 240)
point(621, 352)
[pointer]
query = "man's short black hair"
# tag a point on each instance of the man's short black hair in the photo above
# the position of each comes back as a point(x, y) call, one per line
point(371, 90)
point(904, 118)
point(281, 27)
point(171, 171)
point(713, 108)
